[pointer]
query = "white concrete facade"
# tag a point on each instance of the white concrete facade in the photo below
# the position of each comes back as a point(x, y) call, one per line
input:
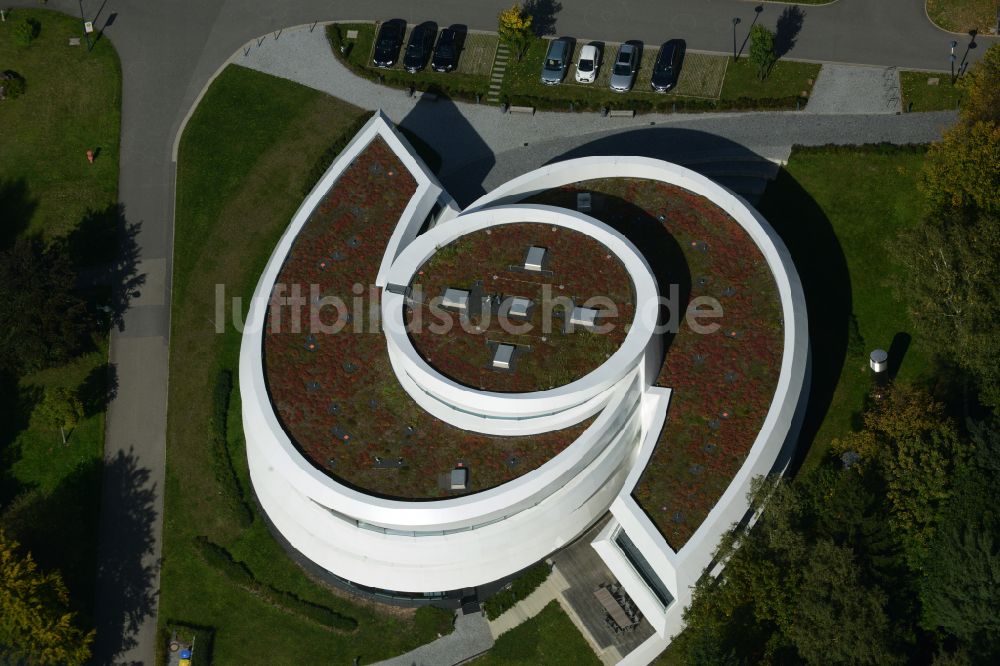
point(428, 547)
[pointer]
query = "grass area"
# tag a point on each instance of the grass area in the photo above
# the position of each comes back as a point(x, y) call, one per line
point(50, 492)
point(786, 79)
point(245, 158)
point(838, 209)
point(964, 15)
point(706, 82)
point(918, 92)
point(549, 638)
point(71, 104)
point(470, 78)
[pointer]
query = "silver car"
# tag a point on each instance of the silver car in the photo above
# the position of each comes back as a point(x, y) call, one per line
point(556, 61)
point(625, 67)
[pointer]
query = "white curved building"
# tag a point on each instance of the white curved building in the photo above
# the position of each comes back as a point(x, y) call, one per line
point(469, 540)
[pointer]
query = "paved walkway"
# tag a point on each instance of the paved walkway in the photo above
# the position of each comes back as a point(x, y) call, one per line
point(471, 638)
point(855, 89)
point(552, 589)
point(170, 49)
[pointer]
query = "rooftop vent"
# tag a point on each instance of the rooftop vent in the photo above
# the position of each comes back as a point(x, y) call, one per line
point(504, 357)
point(583, 317)
point(519, 306)
point(460, 478)
point(535, 258)
point(455, 298)
point(583, 202)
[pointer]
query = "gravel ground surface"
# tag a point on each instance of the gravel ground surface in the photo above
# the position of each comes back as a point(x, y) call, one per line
point(471, 637)
point(853, 89)
point(481, 148)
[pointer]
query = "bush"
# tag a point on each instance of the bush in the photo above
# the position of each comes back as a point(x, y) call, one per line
point(25, 31)
point(222, 462)
point(12, 84)
point(324, 161)
point(664, 104)
point(219, 559)
point(518, 589)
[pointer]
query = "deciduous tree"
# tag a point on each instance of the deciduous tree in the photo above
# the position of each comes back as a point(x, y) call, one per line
point(515, 30)
point(36, 625)
point(761, 50)
point(60, 408)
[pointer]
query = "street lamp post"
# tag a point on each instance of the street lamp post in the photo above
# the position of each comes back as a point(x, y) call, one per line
point(736, 22)
point(86, 28)
point(952, 59)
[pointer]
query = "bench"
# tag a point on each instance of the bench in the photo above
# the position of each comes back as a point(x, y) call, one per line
point(530, 110)
point(621, 113)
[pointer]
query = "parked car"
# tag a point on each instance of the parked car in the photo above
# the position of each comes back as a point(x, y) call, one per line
point(668, 65)
point(588, 64)
point(625, 68)
point(556, 61)
point(449, 44)
point(419, 47)
point(388, 41)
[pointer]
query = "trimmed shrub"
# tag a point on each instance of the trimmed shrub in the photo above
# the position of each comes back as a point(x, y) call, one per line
point(516, 590)
point(222, 462)
point(25, 31)
point(324, 161)
point(219, 559)
point(11, 85)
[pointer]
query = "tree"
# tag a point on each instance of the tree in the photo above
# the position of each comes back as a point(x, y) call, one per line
point(963, 169)
point(36, 625)
point(60, 408)
point(42, 319)
point(762, 50)
point(514, 28)
point(916, 449)
point(25, 31)
point(982, 90)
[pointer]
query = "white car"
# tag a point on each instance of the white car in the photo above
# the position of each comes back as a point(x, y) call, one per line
point(587, 65)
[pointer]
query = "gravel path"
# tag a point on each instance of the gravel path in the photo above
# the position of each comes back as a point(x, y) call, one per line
point(471, 637)
point(854, 89)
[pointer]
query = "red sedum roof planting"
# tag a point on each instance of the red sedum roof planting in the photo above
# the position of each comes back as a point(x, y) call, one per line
point(336, 394)
point(578, 268)
point(723, 382)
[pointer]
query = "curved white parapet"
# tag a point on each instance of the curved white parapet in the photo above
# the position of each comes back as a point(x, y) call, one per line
point(468, 541)
point(517, 413)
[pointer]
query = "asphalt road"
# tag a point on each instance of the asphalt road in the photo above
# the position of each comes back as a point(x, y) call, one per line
point(171, 48)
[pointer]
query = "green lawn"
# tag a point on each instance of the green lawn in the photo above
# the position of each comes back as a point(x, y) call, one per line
point(472, 76)
point(942, 96)
point(839, 210)
point(50, 492)
point(245, 159)
point(71, 104)
point(549, 638)
point(964, 15)
point(786, 79)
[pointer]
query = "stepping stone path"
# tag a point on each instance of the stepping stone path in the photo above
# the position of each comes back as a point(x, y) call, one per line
point(500, 61)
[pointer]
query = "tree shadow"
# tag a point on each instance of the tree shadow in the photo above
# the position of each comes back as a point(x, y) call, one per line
point(98, 389)
point(543, 15)
point(16, 209)
point(439, 123)
point(125, 593)
point(105, 252)
point(60, 530)
point(787, 30)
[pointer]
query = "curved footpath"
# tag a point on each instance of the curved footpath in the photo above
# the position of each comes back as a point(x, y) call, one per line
point(171, 49)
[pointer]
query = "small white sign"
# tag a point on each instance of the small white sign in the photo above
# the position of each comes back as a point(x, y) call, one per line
point(88, 27)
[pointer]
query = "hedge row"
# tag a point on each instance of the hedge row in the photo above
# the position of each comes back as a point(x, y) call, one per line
point(219, 559)
point(661, 105)
point(397, 78)
point(518, 589)
point(865, 149)
point(222, 462)
point(324, 161)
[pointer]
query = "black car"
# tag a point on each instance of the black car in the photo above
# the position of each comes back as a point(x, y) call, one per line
point(388, 42)
point(668, 65)
point(419, 46)
point(446, 52)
